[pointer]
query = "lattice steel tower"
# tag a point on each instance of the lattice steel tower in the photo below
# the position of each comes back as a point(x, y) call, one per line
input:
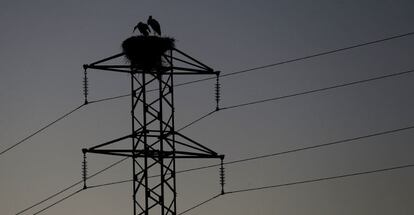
point(156, 144)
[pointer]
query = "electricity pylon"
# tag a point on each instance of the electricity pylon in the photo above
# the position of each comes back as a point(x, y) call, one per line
point(156, 144)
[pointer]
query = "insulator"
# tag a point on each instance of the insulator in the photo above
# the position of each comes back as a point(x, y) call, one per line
point(85, 85)
point(84, 170)
point(222, 176)
point(217, 93)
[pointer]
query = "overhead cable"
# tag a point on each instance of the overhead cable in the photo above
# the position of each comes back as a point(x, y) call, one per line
point(322, 179)
point(346, 84)
point(292, 60)
point(41, 129)
point(330, 178)
point(290, 151)
point(71, 186)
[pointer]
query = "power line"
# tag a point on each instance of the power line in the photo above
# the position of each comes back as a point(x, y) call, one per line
point(197, 120)
point(201, 203)
point(231, 162)
point(319, 89)
point(322, 179)
point(46, 199)
point(323, 145)
point(234, 73)
point(318, 54)
point(299, 149)
point(249, 103)
point(41, 129)
point(95, 186)
point(301, 182)
point(231, 74)
point(71, 186)
point(347, 140)
point(255, 158)
point(57, 120)
point(299, 94)
point(266, 187)
point(109, 98)
point(59, 201)
point(231, 106)
point(110, 183)
point(323, 53)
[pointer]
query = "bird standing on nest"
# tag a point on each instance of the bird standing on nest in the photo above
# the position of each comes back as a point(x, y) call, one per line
point(155, 25)
point(143, 28)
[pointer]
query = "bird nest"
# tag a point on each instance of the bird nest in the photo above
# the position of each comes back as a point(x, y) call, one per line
point(145, 52)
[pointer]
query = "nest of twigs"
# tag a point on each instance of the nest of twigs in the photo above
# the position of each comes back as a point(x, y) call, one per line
point(146, 51)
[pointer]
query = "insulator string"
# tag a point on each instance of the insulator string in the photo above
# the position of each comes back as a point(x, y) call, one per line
point(84, 170)
point(85, 84)
point(217, 93)
point(222, 176)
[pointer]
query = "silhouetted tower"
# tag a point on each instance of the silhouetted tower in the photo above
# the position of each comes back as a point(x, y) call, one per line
point(156, 144)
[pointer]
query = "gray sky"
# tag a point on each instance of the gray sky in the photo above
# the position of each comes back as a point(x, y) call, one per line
point(45, 43)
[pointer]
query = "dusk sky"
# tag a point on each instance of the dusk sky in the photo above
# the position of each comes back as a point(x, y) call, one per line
point(44, 43)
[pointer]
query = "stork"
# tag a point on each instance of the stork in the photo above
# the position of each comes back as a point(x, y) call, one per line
point(143, 28)
point(155, 25)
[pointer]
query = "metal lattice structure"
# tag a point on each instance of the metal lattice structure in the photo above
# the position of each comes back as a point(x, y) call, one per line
point(156, 144)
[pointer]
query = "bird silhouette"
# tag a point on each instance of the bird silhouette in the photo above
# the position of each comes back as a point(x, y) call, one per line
point(143, 28)
point(155, 25)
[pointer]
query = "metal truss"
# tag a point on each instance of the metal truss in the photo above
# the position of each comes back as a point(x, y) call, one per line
point(155, 143)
